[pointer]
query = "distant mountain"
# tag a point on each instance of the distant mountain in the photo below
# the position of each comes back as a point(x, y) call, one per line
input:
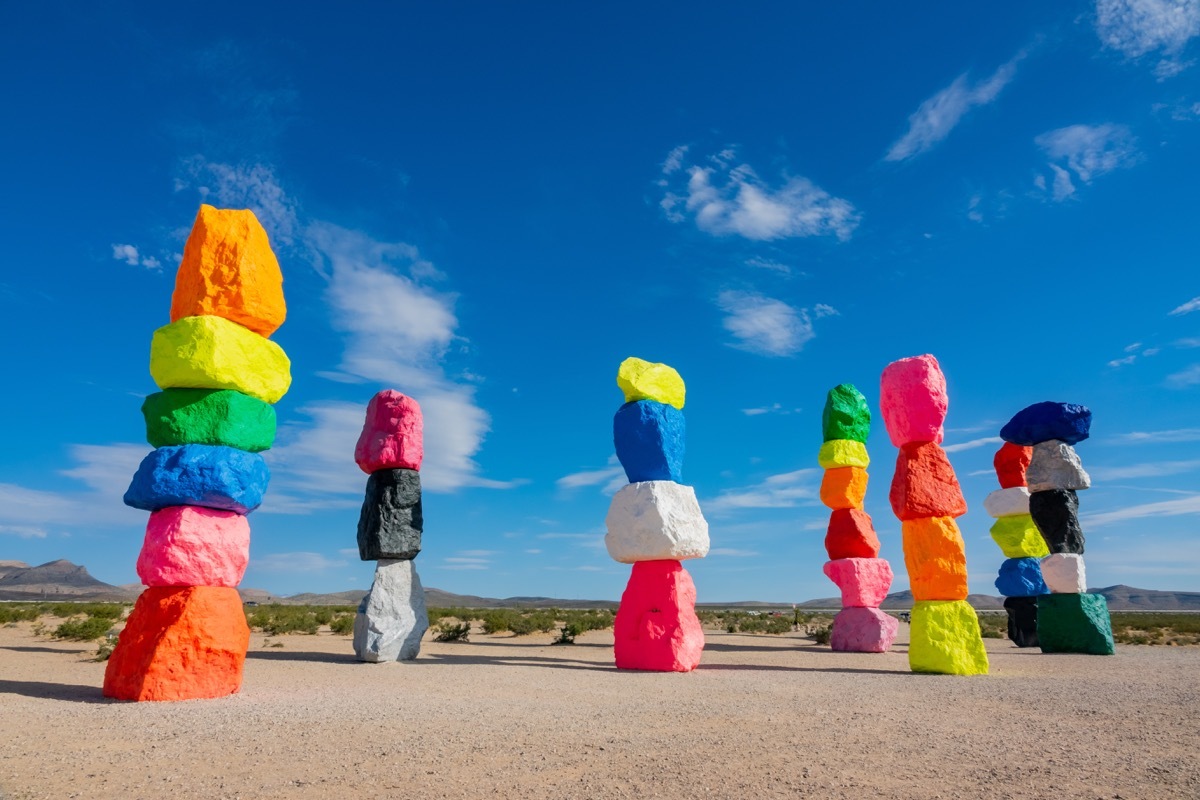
point(57, 580)
point(62, 580)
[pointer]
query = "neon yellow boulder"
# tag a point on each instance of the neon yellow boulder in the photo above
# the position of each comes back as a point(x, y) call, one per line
point(208, 352)
point(1019, 537)
point(644, 380)
point(843, 453)
point(945, 639)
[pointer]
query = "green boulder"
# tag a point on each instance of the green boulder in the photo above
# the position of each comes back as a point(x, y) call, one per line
point(1074, 623)
point(208, 416)
point(846, 415)
point(945, 639)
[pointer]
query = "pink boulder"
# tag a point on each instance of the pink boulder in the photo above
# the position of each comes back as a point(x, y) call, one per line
point(656, 626)
point(863, 630)
point(194, 546)
point(864, 581)
point(912, 397)
point(391, 437)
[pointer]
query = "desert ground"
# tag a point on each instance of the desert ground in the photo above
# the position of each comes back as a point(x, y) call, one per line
point(500, 716)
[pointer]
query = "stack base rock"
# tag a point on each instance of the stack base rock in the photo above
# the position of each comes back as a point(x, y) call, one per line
point(656, 628)
point(180, 643)
point(655, 521)
point(863, 630)
point(946, 639)
point(392, 617)
point(391, 520)
point(1022, 620)
point(1074, 623)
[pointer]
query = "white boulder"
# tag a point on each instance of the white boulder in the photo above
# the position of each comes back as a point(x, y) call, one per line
point(1012, 502)
point(392, 618)
point(1064, 573)
point(655, 521)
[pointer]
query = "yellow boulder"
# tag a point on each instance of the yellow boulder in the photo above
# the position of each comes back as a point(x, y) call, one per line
point(843, 453)
point(1019, 537)
point(228, 270)
point(213, 353)
point(643, 380)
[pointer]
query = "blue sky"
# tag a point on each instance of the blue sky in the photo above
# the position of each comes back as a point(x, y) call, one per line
point(489, 206)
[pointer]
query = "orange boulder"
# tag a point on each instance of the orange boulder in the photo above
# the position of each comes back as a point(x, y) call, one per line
point(229, 271)
point(844, 487)
point(180, 643)
point(935, 558)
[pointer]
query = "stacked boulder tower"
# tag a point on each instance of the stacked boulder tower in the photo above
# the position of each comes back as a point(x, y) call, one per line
point(1069, 620)
point(1020, 578)
point(220, 375)
point(925, 495)
point(392, 617)
point(654, 523)
point(851, 542)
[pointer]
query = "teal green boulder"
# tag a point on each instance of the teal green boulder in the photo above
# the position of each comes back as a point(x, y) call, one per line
point(945, 639)
point(1074, 623)
point(208, 416)
point(846, 415)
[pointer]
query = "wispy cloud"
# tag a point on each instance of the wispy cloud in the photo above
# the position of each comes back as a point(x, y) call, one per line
point(1153, 469)
point(611, 478)
point(971, 445)
point(296, 562)
point(1187, 308)
point(1185, 378)
point(1164, 508)
point(784, 490)
point(727, 198)
point(1088, 152)
point(936, 117)
point(23, 531)
point(774, 408)
point(251, 186)
point(767, 326)
point(1158, 437)
point(1138, 27)
point(130, 255)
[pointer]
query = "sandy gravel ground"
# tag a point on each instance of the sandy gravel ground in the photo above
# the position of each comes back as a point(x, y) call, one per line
point(764, 716)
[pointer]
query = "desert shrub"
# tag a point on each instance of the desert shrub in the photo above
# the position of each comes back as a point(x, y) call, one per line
point(17, 613)
point(83, 630)
point(275, 619)
point(104, 652)
point(567, 634)
point(497, 620)
point(438, 614)
point(746, 622)
point(821, 634)
point(993, 626)
point(342, 624)
point(451, 632)
point(323, 616)
point(589, 620)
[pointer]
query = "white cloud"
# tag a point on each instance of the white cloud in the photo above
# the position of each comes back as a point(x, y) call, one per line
point(130, 255)
point(1138, 27)
point(770, 265)
point(1187, 344)
point(936, 117)
point(1153, 469)
point(764, 325)
point(971, 445)
point(785, 490)
point(723, 199)
point(774, 408)
point(611, 478)
point(1088, 151)
point(1158, 437)
point(1185, 378)
point(1165, 508)
point(295, 562)
point(1122, 362)
point(23, 531)
point(1187, 308)
point(821, 310)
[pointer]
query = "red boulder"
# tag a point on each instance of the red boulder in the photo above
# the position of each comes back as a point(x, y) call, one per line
point(1010, 462)
point(924, 484)
point(851, 535)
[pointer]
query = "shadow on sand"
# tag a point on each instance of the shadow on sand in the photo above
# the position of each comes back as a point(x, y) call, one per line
point(22, 649)
point(302, 655)
point(73, 692)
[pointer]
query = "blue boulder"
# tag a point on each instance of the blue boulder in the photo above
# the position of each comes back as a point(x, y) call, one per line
point(1041, 422)
point(1021, 577)
point(649, 437)
point(199, 475)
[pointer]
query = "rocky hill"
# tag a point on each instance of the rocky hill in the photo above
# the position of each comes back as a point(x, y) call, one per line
point(56, 580)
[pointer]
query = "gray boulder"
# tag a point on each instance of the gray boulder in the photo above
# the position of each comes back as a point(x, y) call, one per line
point(1055, 465)
point(390, 523)
point(392, 618)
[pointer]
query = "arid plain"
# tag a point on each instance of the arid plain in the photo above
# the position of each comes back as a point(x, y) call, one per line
point(503, 716)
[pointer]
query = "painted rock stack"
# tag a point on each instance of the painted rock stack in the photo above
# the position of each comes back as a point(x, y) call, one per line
point(220, 375)
point(853, 546)
point(1020, 579)
point(654, 523)
point(392, 617)
point(925, 495)
point(1069, 620)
